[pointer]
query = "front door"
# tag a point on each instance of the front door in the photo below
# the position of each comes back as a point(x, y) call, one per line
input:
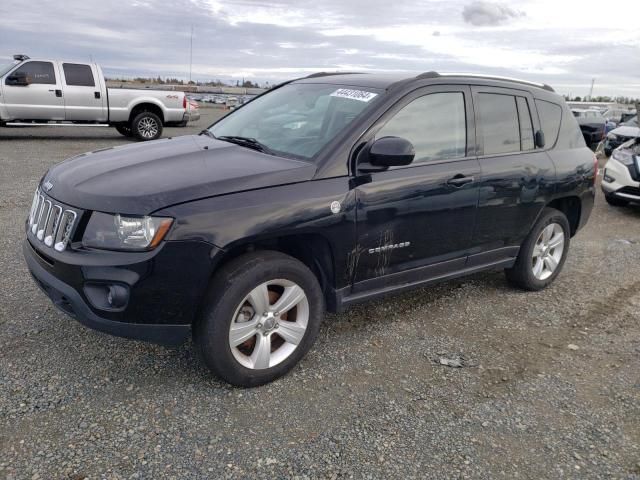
point(82, 97)
point(419, 219)
point(41, 99)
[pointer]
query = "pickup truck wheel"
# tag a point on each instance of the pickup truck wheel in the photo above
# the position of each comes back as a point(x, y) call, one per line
point(124, 130)
point(147, 126)
point(543, 252)
point(263, 314)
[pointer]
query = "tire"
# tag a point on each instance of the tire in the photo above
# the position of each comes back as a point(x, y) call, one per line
point(124, 130)
point(228, 304)
point(146, 126)
point(523, 273)
point(615, 201)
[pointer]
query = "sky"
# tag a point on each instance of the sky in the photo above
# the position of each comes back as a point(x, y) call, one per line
point(565, 43)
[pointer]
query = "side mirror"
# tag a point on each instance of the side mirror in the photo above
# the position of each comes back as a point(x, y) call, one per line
point(539, 139)
point(390, 152)
point(18, 79)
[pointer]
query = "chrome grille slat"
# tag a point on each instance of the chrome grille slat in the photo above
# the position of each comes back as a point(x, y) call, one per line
point(44, 218)
point(50, 222)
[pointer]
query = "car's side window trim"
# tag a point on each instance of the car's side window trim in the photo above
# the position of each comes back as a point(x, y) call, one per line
point(24, 64)
point(476, 90)
point(383, 118)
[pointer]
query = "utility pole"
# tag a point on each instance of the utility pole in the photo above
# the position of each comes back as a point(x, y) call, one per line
point(191, 53)
point(593, 80)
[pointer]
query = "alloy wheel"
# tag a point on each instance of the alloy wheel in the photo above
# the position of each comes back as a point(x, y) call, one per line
point(148, 127)
point(547, 251)
point(269, 324)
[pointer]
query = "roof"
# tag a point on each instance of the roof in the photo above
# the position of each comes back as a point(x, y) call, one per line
point(385, 80)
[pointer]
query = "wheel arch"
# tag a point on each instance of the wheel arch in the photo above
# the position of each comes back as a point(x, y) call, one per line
point(312, 249)
point(147, 106)
point(571, 206)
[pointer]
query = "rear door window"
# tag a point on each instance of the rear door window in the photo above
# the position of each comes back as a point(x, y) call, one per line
point(38, 72)
point(550, 116)
point(500, 125)
point(78, 75)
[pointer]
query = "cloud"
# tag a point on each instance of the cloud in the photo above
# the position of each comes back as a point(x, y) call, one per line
point(275, 40)
point(483, 14)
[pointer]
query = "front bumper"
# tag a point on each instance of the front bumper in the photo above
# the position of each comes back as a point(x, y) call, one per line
point(69, 301)
point(165, 288)
point(618, 181)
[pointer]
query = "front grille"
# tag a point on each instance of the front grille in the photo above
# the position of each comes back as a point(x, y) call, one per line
point(50, 222)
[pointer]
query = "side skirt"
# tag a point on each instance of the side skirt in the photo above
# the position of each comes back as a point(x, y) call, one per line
point(421, 277)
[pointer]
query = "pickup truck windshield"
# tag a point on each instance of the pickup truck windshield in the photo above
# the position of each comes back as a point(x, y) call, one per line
point(298, 119)
point(4, 68)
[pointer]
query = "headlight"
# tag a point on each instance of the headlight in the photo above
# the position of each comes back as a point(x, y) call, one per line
point(623, 156)
point(117, 232)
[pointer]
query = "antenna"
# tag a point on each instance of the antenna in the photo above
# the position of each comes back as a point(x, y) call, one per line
point(191, 53)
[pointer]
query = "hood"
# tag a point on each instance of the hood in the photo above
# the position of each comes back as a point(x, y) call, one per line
point(626, 131)
point(141, 178)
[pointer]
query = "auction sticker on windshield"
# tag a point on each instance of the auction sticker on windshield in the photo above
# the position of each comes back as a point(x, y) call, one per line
point(360, 95)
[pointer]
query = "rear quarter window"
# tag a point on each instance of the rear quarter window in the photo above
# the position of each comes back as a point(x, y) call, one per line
point(550, 117)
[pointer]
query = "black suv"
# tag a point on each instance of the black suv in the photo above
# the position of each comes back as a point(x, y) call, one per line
point(323, 192)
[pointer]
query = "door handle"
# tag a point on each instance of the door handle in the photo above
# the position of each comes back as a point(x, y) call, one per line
point(58, 92)
point(459, 180)
point(96, 94)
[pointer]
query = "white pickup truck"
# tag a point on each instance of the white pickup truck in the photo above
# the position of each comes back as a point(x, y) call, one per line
point(48, 92)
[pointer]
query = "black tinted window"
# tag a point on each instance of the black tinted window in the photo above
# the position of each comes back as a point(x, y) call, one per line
point(499, 123)
point(550, 115)
point(435, 124)
point(78, 75)
point(38, 72)
point(526, 127)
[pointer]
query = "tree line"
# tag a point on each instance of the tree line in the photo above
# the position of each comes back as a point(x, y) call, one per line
point(177, 81)
point(620, 99)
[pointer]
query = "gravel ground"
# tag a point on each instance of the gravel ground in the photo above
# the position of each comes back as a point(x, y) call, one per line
point(548, 388)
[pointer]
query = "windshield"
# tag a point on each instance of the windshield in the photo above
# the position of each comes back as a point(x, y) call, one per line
point(4, 68)
point(298, 119)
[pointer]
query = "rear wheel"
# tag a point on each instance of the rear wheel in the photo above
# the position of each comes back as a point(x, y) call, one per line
point(262, 316)
point(615, 201)
point(543, 252)
point(146, 126)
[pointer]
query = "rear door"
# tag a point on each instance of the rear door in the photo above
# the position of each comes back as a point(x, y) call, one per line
point(516, 177)
point(41, 99)
point(82, 94)
point(418, 219)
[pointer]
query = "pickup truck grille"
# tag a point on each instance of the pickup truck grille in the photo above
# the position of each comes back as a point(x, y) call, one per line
point(51, 223)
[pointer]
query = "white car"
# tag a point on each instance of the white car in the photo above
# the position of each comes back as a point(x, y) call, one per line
point(621, 179)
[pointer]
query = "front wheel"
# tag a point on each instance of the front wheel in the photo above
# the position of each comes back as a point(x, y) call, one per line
point(262, 316)
point(146, 126)
point(543, 252)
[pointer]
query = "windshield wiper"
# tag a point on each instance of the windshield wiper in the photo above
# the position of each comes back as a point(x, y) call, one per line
point(208, 133)
point(245, 142)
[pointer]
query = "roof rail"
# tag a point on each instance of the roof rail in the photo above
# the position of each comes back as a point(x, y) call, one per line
point(498, 77)
point(20, 57)
point(329, 74)
point(430, 74)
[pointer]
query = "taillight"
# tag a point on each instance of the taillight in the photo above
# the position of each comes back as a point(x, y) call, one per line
point(595, 168)
point(184, 102)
